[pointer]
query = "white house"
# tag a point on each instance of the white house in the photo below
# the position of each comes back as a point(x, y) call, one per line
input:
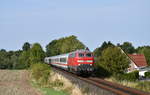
point(138, 62)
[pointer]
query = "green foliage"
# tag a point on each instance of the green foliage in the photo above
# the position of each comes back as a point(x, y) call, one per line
point(146, 51)
point(101, 72)
point(113, 61)
point(24, 60)
point(147, 74)
point(40, 72)
point(98, 51)
point(63, 45)
point(19, 59)
point(50, 91)
point(36, 53)
point(4, 60)
point(33, 55)
point(128, 47)
point(26, 46)
point(132, 76)
point(9, 60)
point(52, 48)
point(14, 60)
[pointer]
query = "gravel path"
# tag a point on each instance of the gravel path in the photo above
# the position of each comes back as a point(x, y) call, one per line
point(15, 82)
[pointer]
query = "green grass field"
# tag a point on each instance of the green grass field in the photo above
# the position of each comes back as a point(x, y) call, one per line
point(50, 91)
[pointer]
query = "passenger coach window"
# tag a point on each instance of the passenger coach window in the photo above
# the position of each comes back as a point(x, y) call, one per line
point(88, 55)
point(81, 55)
point(50, 61)
point(63, 60)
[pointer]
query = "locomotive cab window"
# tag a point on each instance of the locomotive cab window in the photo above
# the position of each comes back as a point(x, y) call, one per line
point(88, 55)
point(81, 55)
point(72, 55)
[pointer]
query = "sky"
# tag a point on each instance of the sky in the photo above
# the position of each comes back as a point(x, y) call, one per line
point(92, 21)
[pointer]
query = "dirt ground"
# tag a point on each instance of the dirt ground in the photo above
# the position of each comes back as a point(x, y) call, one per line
point(16, 82)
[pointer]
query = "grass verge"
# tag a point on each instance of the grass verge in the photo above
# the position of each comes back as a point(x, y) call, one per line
point(47, 91)
point(141, 85)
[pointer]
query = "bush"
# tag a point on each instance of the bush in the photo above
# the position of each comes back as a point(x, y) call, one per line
point(133, 76)
point(147, 74)
point(101, 72)
point(40, 72)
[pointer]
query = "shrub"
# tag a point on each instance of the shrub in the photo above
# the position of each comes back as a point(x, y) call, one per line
point(132, 76)
point(40, 72)
point(101, 72)
point(147, 74)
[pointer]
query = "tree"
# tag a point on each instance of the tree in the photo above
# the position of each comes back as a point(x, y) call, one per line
point(2, 50)
point(31, 56)
point(113, 60)
point(21, 59)
point(4, 60)
point(52, 48)
point(9, 60)
point(146, 51)
point(24, 60)
point(18, 53)
point(63, 45)
point(70, 44)
point(128, 47)
point(36, 54)
point(26, 46)
point(14, 61)
point(98, 51)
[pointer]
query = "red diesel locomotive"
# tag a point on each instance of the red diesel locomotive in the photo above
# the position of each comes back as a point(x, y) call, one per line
point(79, 62)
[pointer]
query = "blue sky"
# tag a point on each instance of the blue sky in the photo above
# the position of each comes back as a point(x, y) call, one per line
point(92, 21)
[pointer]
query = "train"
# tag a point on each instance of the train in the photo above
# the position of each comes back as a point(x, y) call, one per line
point(79, 62)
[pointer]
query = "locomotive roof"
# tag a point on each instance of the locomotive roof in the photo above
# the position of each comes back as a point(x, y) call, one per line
point(82, 50)
point(67, 54)
point(62, 55)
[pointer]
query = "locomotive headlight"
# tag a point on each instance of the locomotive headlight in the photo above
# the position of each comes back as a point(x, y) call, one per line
point(79, 64)
point(90, 64)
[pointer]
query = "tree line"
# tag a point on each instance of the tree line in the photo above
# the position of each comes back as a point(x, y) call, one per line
point(21, 59)
point(109, 59)
point(34, 53)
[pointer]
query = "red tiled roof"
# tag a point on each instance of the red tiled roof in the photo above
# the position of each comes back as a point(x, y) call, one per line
point(138, 59)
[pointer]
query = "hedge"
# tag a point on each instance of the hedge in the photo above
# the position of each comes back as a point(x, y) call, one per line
point(132, 76)
point(147, 74)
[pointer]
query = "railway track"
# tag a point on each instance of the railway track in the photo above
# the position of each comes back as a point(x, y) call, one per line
point(116, 89)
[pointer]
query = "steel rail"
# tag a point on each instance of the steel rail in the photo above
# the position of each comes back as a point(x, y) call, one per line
point(106, 85)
